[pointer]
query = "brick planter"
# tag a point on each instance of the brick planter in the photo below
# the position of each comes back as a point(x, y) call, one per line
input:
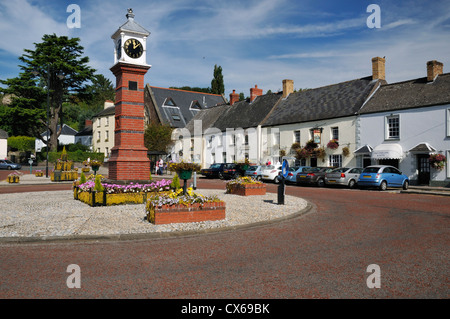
point(185, 214)
point(247, 189)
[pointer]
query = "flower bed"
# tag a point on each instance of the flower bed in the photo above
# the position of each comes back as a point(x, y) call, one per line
point(246, 186)
point(114, 194)
point(174, 207)
point(38, 173)
point(60, 176)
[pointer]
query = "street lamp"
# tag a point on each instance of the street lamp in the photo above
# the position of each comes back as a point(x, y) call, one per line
point(60, 75)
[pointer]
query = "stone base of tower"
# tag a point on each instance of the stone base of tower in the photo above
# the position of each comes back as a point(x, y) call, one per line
point(129, 165)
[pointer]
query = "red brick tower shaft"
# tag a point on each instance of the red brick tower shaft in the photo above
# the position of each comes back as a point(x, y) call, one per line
point(129, 161)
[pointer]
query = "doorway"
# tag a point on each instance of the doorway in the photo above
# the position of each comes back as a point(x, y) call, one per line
point(423, 167)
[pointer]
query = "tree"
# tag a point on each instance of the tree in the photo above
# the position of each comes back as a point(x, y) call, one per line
point(158, 137)
point(217, 86)
point(56, 63)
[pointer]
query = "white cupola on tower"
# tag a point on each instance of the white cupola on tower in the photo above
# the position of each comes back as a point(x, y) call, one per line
point(130, 42)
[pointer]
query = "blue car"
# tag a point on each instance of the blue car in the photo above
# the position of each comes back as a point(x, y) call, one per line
point(7, 164)
point(292, 174)
point(382, 176)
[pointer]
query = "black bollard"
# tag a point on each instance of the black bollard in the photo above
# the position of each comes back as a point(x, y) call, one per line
point(281, 188)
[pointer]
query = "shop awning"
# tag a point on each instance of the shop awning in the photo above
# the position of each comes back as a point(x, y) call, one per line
point(387, 151)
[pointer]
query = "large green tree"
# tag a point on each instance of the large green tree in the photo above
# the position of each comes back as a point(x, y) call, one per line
point(217, 86)
point(55, 67)
point(158, 137)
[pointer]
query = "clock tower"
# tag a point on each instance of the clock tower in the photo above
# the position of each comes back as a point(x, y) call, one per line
point(129, 161)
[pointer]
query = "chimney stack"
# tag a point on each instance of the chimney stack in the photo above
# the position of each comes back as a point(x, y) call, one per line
point(378, 68)
point(234, 97)
point(434, 68)
point(107, 104)
point(288, 88)
point(255, 92)
point(87, 123)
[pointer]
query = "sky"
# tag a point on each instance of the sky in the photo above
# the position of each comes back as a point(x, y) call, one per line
point(256, 42)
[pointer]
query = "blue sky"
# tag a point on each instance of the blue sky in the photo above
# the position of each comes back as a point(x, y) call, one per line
point(262, 42)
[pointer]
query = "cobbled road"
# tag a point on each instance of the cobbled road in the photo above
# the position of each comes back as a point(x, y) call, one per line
point(323, 254)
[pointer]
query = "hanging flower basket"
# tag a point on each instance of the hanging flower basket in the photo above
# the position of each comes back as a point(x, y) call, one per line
point(333, 144)
point(346, 151)
point(437, 161)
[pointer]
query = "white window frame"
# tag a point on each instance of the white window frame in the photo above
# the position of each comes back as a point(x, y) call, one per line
point(297, 132)
point(448, 164)
point(387, 128)
point(448, 121)
point(333, 130)
point(332, 160)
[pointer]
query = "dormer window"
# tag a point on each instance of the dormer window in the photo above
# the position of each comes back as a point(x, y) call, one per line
point(195, 105)
point(169, 102)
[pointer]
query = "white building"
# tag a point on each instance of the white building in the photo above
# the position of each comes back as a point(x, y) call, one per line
point(67, 137)
point(403, 123)
point(3, 144)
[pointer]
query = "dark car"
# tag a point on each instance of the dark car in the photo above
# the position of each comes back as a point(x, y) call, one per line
point(231, 171)
point(7, 164)
point(214, 171)
point(313, 176)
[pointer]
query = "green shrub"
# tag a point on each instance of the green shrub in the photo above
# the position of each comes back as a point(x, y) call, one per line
point(21, 143)
point(98, 184)
point(82, 178)
point(175, 182)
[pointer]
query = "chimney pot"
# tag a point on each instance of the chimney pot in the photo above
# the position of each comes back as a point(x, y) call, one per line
point(378, 68)
point(288, 87)
point(434, 68)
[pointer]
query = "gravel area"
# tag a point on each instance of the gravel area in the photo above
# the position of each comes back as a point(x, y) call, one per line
point(48, 214)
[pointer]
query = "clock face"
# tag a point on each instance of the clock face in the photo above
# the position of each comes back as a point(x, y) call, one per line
point(133, 48)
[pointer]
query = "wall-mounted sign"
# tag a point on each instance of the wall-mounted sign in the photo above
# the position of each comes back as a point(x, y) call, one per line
point(317, 135)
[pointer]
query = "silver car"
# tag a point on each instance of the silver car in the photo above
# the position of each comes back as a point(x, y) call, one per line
point(344, 176)
point(255, 171)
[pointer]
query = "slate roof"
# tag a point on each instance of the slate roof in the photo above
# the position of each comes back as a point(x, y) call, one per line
point(106, 112)
point(3, 134)
point(410, 94)
point(87, 131)
point(244, 114)
point(332, 101)
point(177, 107)
point(66, 130)
point(208, 117)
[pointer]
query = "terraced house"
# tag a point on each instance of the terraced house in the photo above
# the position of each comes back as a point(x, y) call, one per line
point(404, 123)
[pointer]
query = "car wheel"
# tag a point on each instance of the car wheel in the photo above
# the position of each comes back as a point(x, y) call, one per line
point(405, 185)
point(320, 182)
point(220, 175)
point(352, 183)
point(9, 168)
point(258, 178)
point(383, 186)
point(276, 180)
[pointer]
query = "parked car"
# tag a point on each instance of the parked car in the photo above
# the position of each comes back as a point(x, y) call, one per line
point(255, 171)
point(292, 173)
point(313, 176)
point(344, 176)
point(214, 171)
point(271, 173)
point(382, 176)
point(7, 164)
point(231, 171)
